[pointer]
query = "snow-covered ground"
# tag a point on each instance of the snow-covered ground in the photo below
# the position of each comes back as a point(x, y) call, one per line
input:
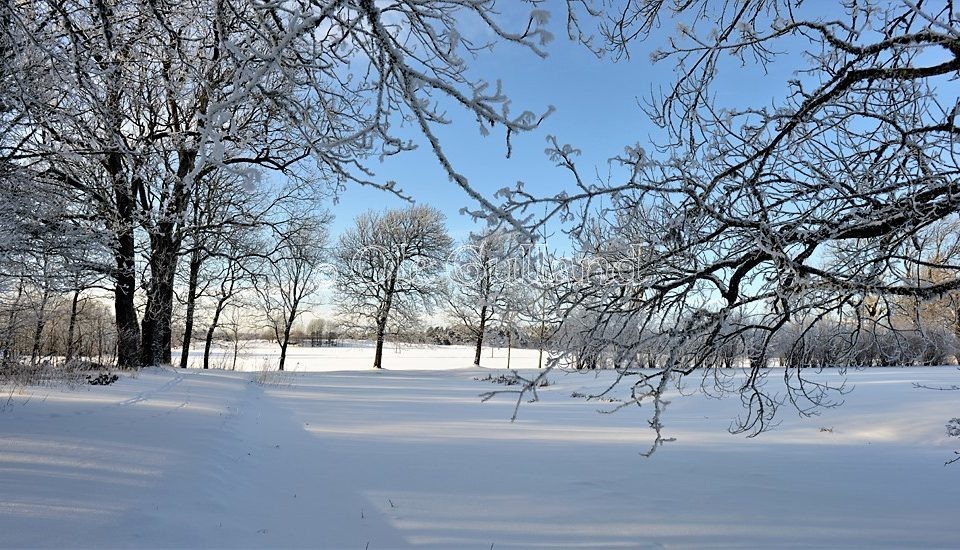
point(410, 458)
point(351, 355)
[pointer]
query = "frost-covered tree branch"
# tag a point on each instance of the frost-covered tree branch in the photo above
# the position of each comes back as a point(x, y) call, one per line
point(751, 233)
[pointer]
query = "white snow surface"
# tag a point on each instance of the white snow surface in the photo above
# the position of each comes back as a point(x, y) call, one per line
point(411, 458)
point(352, 354)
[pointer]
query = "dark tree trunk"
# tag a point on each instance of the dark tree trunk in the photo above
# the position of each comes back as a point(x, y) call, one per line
point(125, 278)
point(125, 310)
point(210, 331)
point(165, 332)
point(208, 343)
point(155, 344)
point(378, 353)
point(481, 329)
point(124, 221)
point(165, 240)
point(382, 321)
point(195, 262)
point(72, 326)
point(283, 353)
point(38, 328)
point(287, 326)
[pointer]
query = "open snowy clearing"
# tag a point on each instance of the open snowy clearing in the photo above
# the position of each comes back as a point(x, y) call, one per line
point(358, 355)
point(396, 459)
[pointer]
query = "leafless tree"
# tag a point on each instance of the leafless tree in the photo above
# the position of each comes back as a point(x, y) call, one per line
point(485, 268)
point(746, 219)
point(389, 263)
point(227, 218)
point(233, 271)
point(291, 275)
point(537, 303)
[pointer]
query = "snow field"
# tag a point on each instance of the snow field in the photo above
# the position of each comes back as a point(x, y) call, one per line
point(408, 458)
point(357, 355)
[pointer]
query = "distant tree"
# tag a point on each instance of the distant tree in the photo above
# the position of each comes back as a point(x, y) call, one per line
point(485, 267)
point(538, 305)
point(390, 263)
point(322, 332)
point(291, 275)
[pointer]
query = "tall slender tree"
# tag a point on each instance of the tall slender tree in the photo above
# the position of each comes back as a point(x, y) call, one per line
point(291, 275)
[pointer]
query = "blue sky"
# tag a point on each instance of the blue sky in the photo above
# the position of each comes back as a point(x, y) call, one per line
point(597, 111)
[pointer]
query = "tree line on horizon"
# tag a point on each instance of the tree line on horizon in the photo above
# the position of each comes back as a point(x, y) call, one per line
point(391, 268)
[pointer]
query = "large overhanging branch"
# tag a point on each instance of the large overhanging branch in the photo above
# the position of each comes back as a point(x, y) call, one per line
point(796, 234)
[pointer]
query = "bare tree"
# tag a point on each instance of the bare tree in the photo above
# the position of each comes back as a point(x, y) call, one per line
point(538, 304)
point(291, 275)
point(485, 267)
point(226, 277)
point(390, 263)
point(221, 241)
point(322, 332)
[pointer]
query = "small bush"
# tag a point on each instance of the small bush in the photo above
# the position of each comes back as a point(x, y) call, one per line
point(509, 380)
point(103, 379)
point(499, 379)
